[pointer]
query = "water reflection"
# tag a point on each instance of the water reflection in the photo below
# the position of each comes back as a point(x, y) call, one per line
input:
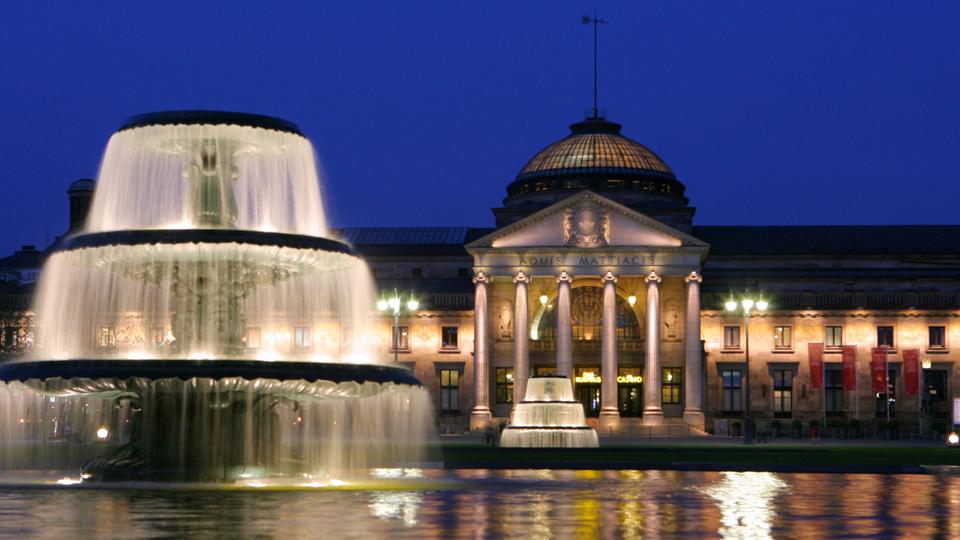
point(746, 503)
point(397, 505)
point(524, 504)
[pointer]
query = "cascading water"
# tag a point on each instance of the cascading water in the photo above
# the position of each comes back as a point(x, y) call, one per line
point(203, 326)
point(548, 417)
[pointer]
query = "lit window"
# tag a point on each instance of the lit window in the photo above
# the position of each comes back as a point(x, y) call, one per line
point(834, 336)
point(108, 337)
point(504, 385)
point(782, 393)
point(448, 338)
point(401, 339)
point(253, 338)
point(449, 392)
point(938, 337)
point(782, 337)
point(885, 336)
point(301, 337)
point(670, 386)
point(731, 337)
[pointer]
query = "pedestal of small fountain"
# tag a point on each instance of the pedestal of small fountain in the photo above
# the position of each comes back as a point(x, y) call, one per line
point(549, 417)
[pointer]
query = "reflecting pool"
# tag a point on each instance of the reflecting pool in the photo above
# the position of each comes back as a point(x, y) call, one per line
point(521, 504)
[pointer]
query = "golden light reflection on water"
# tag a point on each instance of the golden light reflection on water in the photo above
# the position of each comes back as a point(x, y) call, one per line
point(746, 503)
point(515, 504)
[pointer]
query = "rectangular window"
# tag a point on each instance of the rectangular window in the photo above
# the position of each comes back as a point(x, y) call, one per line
point(885, 336)
point(107, 338)
point(731, 390)
point(463, 272)
point(301, 337)
point(670, 386)
point(731, 337)
point(449, 392)
point(833, 388)
point(10, 336)
point(504, 385)
point(938, 337)
point(416, 273)
point(782, 337)
point(834, 336)
point(782, 393)
point(401, 338)
point(448, 338)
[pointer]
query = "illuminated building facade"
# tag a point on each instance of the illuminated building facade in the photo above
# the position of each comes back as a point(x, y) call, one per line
point(594, 269)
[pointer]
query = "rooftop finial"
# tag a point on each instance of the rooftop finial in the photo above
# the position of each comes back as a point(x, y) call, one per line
point(595, 21)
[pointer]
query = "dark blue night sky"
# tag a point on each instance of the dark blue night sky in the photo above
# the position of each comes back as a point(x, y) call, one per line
point(819, 112)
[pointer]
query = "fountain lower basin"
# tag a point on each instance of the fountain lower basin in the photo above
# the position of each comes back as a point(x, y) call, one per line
point(210, 420)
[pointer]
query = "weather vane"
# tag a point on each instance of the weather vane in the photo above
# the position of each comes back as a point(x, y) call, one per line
point(595, 21)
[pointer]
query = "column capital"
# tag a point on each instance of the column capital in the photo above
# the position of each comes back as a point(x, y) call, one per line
point(652, 277)
point(693, 276)
point(521, 278)
point(608, 277)
point(565, 278)
point(480, 278)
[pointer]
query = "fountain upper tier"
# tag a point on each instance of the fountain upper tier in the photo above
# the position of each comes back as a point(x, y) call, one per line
point(200, 169)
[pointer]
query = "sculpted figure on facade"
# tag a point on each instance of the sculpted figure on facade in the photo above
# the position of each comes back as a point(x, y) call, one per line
point(586, 225)
point(505, 321)
point(671, 321)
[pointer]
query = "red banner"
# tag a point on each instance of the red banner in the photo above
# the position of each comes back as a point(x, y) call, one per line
point(816, 364)
point(849, 367)
point(911, 371)
point(878, 368)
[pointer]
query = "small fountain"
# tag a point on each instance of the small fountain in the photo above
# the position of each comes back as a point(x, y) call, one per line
point(204, 326)
point(549, 417)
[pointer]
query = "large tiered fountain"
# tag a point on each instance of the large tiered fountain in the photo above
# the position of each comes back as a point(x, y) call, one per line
point(204, 326)
point(549, 417)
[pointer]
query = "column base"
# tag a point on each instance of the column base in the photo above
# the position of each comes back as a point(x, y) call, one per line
point(609, 421)
point(652, 417)
point(694, 419)
point(480, 418)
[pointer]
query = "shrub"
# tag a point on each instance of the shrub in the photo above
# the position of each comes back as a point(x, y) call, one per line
point(796, 424)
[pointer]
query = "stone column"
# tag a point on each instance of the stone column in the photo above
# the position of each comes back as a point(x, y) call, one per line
point(564, 327)
point(693, 361)
point(609, 412)
point(521, 335)
point(480, 417)
point(652, 412)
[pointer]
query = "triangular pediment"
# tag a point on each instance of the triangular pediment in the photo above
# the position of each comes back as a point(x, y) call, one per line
point(586, 220)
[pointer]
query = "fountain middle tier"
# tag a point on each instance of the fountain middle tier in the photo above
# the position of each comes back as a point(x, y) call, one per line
point(205, 294)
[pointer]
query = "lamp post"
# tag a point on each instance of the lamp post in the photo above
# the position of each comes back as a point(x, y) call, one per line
point(746, 305)
point(396, 305)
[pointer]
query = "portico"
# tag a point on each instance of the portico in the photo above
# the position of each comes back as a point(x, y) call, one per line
point(596, 291)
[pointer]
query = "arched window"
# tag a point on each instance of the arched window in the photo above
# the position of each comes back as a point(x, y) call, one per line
point(586, 309)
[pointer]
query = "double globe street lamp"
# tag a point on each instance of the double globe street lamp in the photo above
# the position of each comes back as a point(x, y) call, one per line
point(746, 305)
point(397, 305)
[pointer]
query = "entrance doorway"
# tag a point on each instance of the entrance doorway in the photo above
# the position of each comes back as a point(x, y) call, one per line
point(630, 392)
point(587, 389)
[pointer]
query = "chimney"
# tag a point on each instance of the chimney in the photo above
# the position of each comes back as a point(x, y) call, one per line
point(80, 194)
